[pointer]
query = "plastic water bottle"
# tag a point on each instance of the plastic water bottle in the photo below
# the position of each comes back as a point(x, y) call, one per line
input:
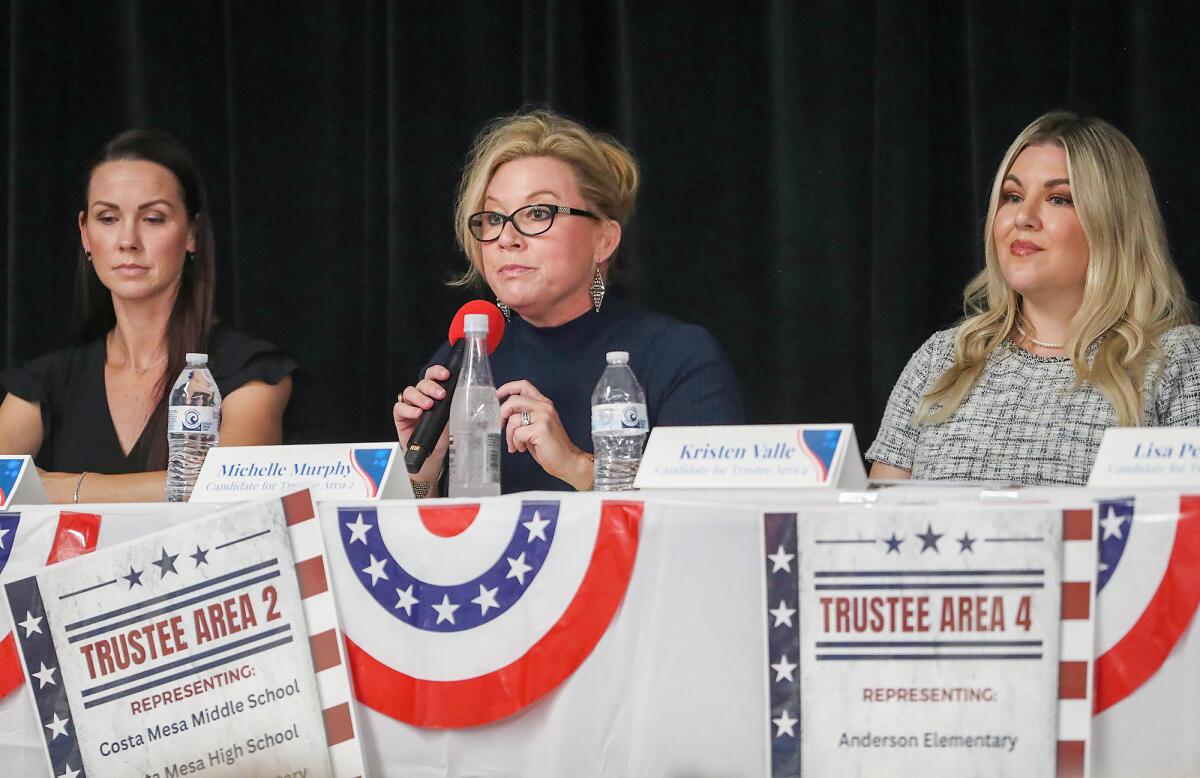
point(619, 425)
point(193, 425)
point(475, 419)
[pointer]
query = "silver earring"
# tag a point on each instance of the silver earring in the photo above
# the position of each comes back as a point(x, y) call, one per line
point(89, 255)
point(504, 309)
point(598, 290)
point(188, 256)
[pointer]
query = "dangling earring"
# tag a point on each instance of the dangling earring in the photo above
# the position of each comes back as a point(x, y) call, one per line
point(598, 290)
point(504, 309)
point(188, 256)
point(89, 255)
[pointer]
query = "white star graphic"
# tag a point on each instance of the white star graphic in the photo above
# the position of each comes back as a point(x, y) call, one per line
point(781, 561)
point(1103, 566)
point(31, 624)
point(45, 675)
point(782, 614)
point(783, 669)
point(68, 772)
point(375, 569)
point(3, 532)
point(517, 568)
point(486, 599)
point(359, 530)
point(406, 600)
point(786, 724)
point(57, 726)
point(536, 527)
point(1111, 524)
point(446, 610)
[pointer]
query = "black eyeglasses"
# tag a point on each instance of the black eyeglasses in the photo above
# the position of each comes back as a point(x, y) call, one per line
point(531, 220)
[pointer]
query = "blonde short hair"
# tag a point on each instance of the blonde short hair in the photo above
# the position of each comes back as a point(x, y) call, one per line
point(605, 171)
point(1132, 292)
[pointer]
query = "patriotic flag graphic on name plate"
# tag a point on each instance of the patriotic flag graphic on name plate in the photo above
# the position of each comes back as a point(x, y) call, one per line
point(485, 608)
point(1148, 588)
point(25, 547)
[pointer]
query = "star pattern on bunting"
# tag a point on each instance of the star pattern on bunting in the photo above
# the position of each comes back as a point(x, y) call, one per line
point(68, 772)
point(445, 611)
point(200, 557)
point(375, 569)
point(358, 530)
point(517, 568)
point(406, 599)
point(3, 532)
point(448, 607)
point(1112, 524)
point(486, 599)
point(536, 526)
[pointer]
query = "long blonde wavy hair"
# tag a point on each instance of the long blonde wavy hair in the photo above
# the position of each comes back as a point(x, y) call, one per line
point(605, 172)
point(1132, 293)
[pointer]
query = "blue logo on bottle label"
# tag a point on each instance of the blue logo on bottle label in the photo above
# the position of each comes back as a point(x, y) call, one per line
point(191, 421)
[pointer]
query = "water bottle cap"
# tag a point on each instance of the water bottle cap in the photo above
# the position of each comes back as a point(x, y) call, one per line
point(617, 357)
point(197, 359)
point(475, 322)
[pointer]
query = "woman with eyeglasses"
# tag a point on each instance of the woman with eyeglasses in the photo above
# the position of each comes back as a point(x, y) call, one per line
point(541, 207)
point(1078, 322)
point(95, 416)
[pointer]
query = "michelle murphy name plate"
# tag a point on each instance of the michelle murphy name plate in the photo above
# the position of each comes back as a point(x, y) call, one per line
point(768, 456)
point(184, 652)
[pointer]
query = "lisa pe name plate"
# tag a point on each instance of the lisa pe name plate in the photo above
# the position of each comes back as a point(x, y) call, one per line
point(195, 650)
point(334, 471)
point(19, 483)
point(772, 456)
point(932, 641)
point(1148, 456)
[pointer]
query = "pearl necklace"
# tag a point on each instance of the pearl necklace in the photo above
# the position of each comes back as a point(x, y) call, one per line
point(1037, 342)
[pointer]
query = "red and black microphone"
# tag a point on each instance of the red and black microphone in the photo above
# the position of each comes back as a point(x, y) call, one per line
point(429, 427)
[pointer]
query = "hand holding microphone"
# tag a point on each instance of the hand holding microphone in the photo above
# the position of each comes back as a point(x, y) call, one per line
point(421, 411)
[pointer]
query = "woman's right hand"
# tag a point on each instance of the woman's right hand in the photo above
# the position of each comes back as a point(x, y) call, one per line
point(413, 402)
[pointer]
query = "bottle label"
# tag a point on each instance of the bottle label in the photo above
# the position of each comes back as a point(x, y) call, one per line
point(492, 473)
point(192, 418)
point(620, 418)
point(491, 460)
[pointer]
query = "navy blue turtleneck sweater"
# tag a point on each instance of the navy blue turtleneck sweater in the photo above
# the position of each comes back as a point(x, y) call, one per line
point(687, 378)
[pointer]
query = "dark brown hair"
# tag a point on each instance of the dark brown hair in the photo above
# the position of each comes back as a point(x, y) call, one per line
point(192, 316)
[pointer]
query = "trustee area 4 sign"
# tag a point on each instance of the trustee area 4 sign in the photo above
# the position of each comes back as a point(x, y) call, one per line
point(926, 641)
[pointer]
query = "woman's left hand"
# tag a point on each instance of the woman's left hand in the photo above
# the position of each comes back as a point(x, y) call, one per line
point(544, 436)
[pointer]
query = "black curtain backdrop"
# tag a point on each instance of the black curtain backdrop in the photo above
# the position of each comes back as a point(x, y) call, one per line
point(815, 174)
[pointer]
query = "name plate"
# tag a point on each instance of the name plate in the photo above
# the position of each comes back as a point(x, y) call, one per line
point(1148, 456)
point(19, 483)
point(334, 471)
point(774, 456)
